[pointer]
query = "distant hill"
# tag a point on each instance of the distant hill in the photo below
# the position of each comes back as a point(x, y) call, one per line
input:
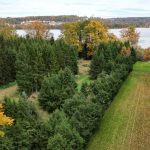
point(125, 22)
point(57, 21)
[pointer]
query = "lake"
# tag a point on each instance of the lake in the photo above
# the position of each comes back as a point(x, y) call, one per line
point(144, 40)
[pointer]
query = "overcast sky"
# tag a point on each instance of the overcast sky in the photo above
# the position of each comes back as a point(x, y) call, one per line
point(100, 8)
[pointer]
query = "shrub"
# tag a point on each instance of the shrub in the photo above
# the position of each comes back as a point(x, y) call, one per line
point(56, 89)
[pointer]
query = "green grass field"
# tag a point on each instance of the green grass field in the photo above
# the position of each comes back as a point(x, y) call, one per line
point(126, 124)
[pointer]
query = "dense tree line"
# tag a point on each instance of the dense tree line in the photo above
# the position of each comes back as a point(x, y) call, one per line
point(7, 60)
point(38, 58)
point(109, 56)
point(62, 18)
point(28, 60)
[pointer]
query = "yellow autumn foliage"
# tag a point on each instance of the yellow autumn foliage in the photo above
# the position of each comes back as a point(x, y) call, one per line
point(4, 120)
point(89, 32)
point(96, 32)
point(70, 35)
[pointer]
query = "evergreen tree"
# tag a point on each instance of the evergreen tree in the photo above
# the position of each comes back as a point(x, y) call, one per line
point(97, 64)
point(7, 62)
point(84, 114)
point(56, 89)
point(64, 136)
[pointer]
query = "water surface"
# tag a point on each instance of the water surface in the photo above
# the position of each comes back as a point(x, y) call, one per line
point(144, 40)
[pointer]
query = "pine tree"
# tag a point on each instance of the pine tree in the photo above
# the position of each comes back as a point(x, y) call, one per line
point(56, 89)
point(63, 135)
point(97, 64)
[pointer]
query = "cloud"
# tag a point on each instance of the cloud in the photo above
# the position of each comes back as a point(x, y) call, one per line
point(101, 8)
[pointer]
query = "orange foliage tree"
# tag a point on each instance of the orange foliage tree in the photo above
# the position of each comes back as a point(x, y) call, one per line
point(147, 54)
point(37, 29)
point(126, 51)
point(131, 35)
point(4, 120)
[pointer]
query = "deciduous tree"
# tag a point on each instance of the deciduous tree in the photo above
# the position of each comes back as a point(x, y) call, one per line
point(38, 29)
point(4, 120)
point(147, 54)
point(85, 36)
point(6, 29)
point(130, 34)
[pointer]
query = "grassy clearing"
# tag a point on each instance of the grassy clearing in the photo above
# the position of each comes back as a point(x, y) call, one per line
point(44, 115)
point(7, 86)
point(125, 125)
point(80, 79)
point(83, 73)
point(84, 66)
point(9, 92)
point(142, 67)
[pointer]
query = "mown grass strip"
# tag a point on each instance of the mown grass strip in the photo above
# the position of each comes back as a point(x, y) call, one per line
point(123, 126)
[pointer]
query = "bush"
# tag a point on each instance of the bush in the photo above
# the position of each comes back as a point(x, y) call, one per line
point(56, 89)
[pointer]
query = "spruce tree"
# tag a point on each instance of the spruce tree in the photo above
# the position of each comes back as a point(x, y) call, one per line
point(56, 89)
point(97, 64)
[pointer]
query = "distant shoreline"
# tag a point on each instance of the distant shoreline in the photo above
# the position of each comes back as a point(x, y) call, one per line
point(55, 22)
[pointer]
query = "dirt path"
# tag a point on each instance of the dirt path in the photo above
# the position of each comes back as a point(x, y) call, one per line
point(10, 91)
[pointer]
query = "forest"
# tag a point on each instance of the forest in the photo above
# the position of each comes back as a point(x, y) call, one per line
point(49, 110)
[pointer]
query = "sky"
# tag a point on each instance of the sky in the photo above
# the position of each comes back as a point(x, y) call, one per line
point(95, 8)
